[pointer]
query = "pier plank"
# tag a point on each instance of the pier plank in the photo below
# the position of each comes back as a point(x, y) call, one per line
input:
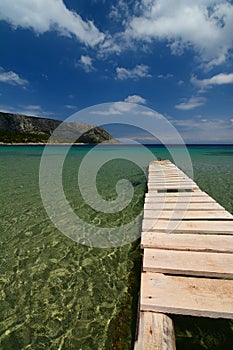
point(196, 193)
point(188, 242)
point(183, 205)
point(179, 199)
point(188, 263)
point(191, 226)
point(156, 187)
point(162, 177)
point(170, 183)
point(206, 297)
point(186, 213)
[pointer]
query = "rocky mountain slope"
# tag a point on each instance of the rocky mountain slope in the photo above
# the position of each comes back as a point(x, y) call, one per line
point(15, 128)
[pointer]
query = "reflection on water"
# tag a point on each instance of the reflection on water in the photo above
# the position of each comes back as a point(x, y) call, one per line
point(56, 294)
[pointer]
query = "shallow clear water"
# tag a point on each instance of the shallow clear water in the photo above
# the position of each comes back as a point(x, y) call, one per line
point(57, 294)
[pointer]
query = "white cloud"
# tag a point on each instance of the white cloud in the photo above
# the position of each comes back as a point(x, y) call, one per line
point(202, 130)
point(123, 108)
point(120, 11)
point(42, 16)
point(71, 107)
point(86, 63)
point(135, 99)
point(116, 108)
point(33, 107)
point(30, 110)
point(140, 71)
point(191, 103)
point(166, 76)
point(219, 79)
point(11, 78)
point(204, 25)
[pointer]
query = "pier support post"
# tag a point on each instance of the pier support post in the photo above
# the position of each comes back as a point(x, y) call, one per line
point(156, 332)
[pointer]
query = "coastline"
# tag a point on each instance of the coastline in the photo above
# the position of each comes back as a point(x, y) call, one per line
point(57, 144)
point(42, 144)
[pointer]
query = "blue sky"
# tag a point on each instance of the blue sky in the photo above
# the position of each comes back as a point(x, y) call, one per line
point(175, 57)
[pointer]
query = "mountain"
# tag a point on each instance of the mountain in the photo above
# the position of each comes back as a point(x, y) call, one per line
point(16, 128)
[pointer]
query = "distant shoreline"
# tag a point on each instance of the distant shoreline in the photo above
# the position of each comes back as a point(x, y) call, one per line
point(41, 144)
point(57, 144)
point(113, 143)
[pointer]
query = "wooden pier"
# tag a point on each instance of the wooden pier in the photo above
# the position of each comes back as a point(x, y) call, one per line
point(187, 239)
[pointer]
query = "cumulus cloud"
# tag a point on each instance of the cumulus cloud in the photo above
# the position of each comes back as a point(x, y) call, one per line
point(202, 130)
point(119, 11)
point(122, 108)
point(204, 25)
point(219, 79)
point(191, 103)
point(42, 16)
point(116, 108)
point(86, 63)
point(135, 99)
point(30, 110)
point(11, 78)
point(140, 71)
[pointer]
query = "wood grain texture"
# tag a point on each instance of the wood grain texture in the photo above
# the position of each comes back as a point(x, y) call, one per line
point(188, 242)
point(156, 332)
point(156, 187)
point(206, 297)
point(178, 199)
point(196, 193)
point(176, 262)
point(187, 214)
point(191, 226)
point(183, 205)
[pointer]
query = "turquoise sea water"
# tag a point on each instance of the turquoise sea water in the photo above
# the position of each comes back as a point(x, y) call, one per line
point(57, 294)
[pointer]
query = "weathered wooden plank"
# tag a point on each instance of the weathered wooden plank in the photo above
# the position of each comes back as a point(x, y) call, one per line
point(185, 199)
point(187, 295)
point(188, 242)
point(156, 332)
point(186, 213)
point(182, 206)
point(167, 174)
point(176, 262)
point(172, 182)
point(165, 171)
point(191, 226)
point(170, 187)
point(162, 177)
point(161, 174)
point(153, 179)
point(196, 193)
point(163, 168)
point(168, 166)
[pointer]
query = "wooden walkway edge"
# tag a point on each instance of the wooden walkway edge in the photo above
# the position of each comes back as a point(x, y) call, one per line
point(187, 240)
